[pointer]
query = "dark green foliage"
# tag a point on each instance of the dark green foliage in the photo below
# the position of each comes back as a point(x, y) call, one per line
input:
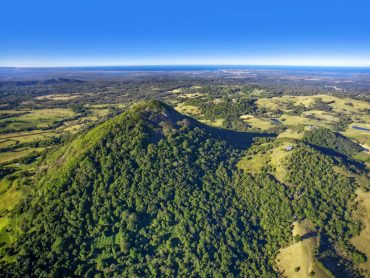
point(154, 196)
point(320, 194)
point(78, 108)
point(342, 123)
point(228, 109)
point(296, 109)
point(338, 265)
point(322, 105)
point(327, 200)
point(152, 193)
point(326, 138)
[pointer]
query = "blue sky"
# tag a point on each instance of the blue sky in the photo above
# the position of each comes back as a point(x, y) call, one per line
point(110, 32)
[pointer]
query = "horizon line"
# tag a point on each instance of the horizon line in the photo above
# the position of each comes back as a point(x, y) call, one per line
point(171, 65)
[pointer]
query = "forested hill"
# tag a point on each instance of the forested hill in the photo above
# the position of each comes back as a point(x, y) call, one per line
point(325, 138)
point(154, 193)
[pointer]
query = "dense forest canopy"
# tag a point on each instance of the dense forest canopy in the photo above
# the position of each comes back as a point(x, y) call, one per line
point(326, 138)
point(154, 193)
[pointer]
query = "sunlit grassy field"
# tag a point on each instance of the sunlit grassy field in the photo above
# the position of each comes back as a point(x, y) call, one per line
point(216, 123)
point(188, 109)
point(362, 242)
point(276, 157)
point(346, 105)
point(279, 157)
point(27, 136)
point(256, 122)
point(41, 118)
point(19, 153)
point(293, 134)
point(57, 97)
point(254, 163)
point(297, 260)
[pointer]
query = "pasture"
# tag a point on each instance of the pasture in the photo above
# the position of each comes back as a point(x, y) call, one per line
point(362, 241)
point(6, 157)
point(188, 109)
point(36, 119)
point(257, 122)
point(57, 97)
point(279, 157)
point(253, 163)
point(297, 260)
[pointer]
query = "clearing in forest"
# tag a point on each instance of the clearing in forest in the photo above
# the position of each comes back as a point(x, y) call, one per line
point(257, 122)
point(188, 109)
point(362, 241)
point(297, 260)
point(279, 157)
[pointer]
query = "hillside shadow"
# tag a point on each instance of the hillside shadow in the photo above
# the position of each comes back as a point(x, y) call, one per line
point(345, 158)
point(237, 139)
point(309, 235)
point(338, 265)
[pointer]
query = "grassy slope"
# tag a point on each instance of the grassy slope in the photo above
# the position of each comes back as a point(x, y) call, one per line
point(257, 122)
point(19, 153)
point(301, 254)
point(362, 242)
point(39, 118)
point(276, 157)
point(9, 197)
point(187, 109)
point(339, 105)
point(253, 164)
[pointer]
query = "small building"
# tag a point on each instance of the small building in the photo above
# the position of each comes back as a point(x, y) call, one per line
point(289, 148)
point(310, 127)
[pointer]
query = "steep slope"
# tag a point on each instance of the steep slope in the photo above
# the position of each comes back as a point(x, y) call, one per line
point(154, 193)
point(147, 193)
